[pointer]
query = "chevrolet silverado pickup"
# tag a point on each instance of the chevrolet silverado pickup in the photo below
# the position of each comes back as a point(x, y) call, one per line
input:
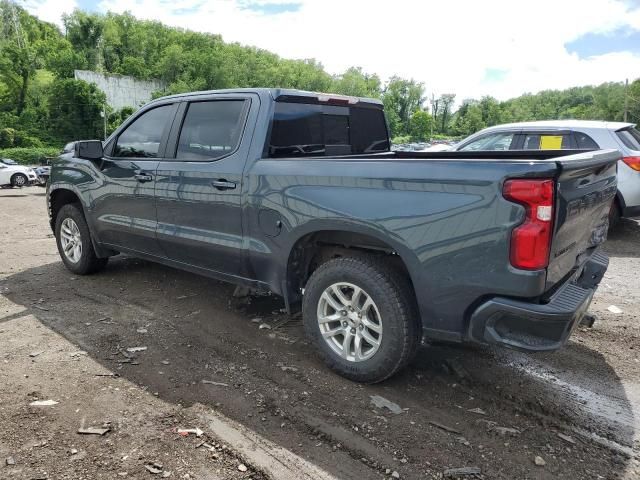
point(299, 194)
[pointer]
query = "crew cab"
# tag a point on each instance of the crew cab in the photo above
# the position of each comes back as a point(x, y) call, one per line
point(299, 194)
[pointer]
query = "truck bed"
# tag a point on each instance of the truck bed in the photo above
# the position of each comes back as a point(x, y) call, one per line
point(443, 212)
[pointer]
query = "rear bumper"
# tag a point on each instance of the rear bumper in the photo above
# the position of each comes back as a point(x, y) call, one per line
point(538, 327)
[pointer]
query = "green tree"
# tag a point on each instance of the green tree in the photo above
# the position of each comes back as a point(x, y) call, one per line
point(172, 64)
point(84, 31)
point(116, 118)
point(24, 45)
point(468, 118)
point(356, 83)
point(402, 98)
point(491, 111)
point(75, 108)
point(64, 60)
point(420, 125)
point(634, 101)
point(444, 114)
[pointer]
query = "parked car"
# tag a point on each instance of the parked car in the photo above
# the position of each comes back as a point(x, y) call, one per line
point(14, 175)
point(572, 134)
point(68, 148)
point(43, 173)
point(439, 147)
point(298, 193)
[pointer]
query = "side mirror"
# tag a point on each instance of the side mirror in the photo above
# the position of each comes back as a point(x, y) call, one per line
point(88, 149)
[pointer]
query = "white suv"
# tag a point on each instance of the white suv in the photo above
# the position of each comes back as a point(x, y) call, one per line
point(573, 134)
point(15, 175)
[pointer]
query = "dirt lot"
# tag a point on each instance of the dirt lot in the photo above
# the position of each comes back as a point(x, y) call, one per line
point(463, 406)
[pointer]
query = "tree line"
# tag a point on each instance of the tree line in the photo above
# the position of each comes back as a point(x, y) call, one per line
point(41, 104)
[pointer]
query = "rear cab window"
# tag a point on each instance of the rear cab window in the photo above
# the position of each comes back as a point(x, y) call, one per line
point(315, 129)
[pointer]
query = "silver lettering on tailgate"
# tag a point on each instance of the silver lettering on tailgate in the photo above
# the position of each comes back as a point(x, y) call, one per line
point(590, 200)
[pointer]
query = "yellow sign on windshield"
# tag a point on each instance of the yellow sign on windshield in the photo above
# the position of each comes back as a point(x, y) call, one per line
point(550, 142)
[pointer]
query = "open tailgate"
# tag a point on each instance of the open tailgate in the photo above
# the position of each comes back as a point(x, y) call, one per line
point(586, 185)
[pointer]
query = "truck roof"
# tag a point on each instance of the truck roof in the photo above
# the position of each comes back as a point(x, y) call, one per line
point(281, 93)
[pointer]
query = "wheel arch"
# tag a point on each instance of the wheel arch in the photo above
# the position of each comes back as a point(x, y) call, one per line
point(313, 247)
point(58, 197)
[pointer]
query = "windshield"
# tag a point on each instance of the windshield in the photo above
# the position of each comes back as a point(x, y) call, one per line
point(630, 137)
point(8, 161)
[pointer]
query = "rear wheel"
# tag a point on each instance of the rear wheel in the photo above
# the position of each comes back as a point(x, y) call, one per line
point(361, 316)
point(74, 241)
point(19, 180)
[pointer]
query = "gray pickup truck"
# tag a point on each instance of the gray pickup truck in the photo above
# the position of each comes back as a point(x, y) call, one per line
point(299, 194)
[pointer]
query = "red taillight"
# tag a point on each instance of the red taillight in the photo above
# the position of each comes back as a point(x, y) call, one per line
point(531, 241)
point(633, 162)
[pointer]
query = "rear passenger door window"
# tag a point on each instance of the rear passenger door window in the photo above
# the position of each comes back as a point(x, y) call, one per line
point(547, 141)
point(492, 141)
point(211, 129)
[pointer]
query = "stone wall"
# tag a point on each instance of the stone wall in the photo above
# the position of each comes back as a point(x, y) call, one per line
point(121, 91)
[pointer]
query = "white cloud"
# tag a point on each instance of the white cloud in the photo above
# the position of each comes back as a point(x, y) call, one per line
point(49, 10)
point(448, 45)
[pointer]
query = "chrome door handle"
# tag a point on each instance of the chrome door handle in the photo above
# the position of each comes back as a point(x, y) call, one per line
point(143, 177)
point(222, 184)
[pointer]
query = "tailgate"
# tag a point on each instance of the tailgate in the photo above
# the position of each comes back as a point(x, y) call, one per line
point(586, 185)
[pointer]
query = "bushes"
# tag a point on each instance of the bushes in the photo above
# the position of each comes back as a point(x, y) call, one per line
point(29, 156)
point(401, 139)
point(10, 137)
point(75, 109)
point(7, 137)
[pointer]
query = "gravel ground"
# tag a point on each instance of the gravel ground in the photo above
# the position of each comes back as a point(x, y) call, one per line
point(578, 409)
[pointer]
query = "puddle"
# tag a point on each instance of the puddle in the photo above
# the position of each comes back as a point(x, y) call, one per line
point(615, 424)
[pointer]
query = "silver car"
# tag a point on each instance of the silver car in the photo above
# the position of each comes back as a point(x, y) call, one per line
point(573, 134)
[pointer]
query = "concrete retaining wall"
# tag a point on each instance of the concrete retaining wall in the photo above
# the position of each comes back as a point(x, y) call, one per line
point(121, 90)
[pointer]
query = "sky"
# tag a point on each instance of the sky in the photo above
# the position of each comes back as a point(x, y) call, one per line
point(470, 48)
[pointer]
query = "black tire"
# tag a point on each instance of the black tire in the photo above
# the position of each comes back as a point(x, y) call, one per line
point(614, 215)
point(88, 262)
point(393, 297)
point(19, 180)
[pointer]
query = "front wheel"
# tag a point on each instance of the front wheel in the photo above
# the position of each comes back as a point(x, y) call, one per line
point(361, 316)
point(74, 242)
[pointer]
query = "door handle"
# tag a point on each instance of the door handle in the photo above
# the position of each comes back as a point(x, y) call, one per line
point(143, 177)
point(223, 184)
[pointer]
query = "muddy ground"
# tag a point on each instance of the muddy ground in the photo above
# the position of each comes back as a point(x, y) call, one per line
point(463, 406)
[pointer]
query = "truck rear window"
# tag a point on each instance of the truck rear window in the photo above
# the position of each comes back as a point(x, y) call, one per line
point(303, 130)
